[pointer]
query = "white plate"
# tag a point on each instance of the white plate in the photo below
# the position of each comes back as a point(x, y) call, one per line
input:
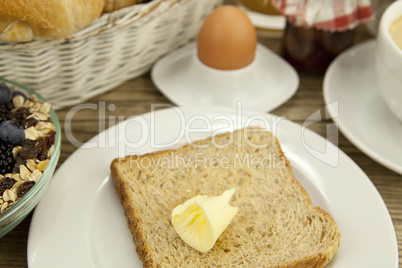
point(79, 222)
point(262, 86)
point(361, 114)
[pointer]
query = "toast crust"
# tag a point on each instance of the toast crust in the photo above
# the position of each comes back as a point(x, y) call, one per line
point(131, 215)
point(124, 187)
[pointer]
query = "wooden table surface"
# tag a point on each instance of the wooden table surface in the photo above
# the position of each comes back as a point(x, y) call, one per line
point(136, 96)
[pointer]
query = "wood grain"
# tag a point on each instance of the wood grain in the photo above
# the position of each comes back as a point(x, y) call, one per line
point(136, 97)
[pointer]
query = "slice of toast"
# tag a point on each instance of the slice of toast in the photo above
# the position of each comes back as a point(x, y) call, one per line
point(276, 224)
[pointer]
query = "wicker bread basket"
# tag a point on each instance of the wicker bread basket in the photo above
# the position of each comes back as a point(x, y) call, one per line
point(115, 48)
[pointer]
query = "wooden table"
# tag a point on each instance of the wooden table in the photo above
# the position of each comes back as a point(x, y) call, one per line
point(136, 96)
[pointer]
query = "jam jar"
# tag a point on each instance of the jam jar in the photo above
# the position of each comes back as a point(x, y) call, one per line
point(317, 31)
point(311, 49)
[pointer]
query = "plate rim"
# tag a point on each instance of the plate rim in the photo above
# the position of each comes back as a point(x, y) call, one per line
point(341, 125)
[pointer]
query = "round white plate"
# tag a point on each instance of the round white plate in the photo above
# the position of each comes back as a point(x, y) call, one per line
point(361, 114)
point(79, 222)
point(271, 83)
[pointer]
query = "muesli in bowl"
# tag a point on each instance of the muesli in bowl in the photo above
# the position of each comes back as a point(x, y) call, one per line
point(29, 151)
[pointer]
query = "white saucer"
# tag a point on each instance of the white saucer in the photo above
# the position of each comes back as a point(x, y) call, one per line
point(361, 114)
point(262, 86)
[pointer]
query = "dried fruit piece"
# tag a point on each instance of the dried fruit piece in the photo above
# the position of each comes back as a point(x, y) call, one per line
point(28, 150)
point(6, 183)
point(20, 115)
point(43, 145)
point(25, 187)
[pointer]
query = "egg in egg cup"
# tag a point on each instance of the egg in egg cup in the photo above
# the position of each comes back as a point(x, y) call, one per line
point(226, 67)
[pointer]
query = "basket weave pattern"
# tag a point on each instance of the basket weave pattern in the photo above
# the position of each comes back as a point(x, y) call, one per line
point(115, 48)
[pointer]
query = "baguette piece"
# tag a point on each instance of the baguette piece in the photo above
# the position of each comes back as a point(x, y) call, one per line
point(276, 225)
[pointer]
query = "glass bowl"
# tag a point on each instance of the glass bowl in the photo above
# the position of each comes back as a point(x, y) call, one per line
point(17, 212)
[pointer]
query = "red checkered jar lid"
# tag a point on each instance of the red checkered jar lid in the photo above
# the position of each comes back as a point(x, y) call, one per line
point(329, 15)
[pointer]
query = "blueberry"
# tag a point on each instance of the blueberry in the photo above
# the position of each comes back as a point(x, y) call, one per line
point(5, 94)
point(11, 132)
point(15, 93)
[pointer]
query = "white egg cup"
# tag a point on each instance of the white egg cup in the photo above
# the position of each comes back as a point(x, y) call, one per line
point(225, 84)
point(261, 86)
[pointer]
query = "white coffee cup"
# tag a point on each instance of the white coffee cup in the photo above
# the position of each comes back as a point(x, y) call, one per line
point(389, 60)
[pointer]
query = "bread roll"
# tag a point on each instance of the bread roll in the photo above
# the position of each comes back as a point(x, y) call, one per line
point(27, 20)
point(112, 5)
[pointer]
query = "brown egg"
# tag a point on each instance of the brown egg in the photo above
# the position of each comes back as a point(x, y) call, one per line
point(227, 40)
